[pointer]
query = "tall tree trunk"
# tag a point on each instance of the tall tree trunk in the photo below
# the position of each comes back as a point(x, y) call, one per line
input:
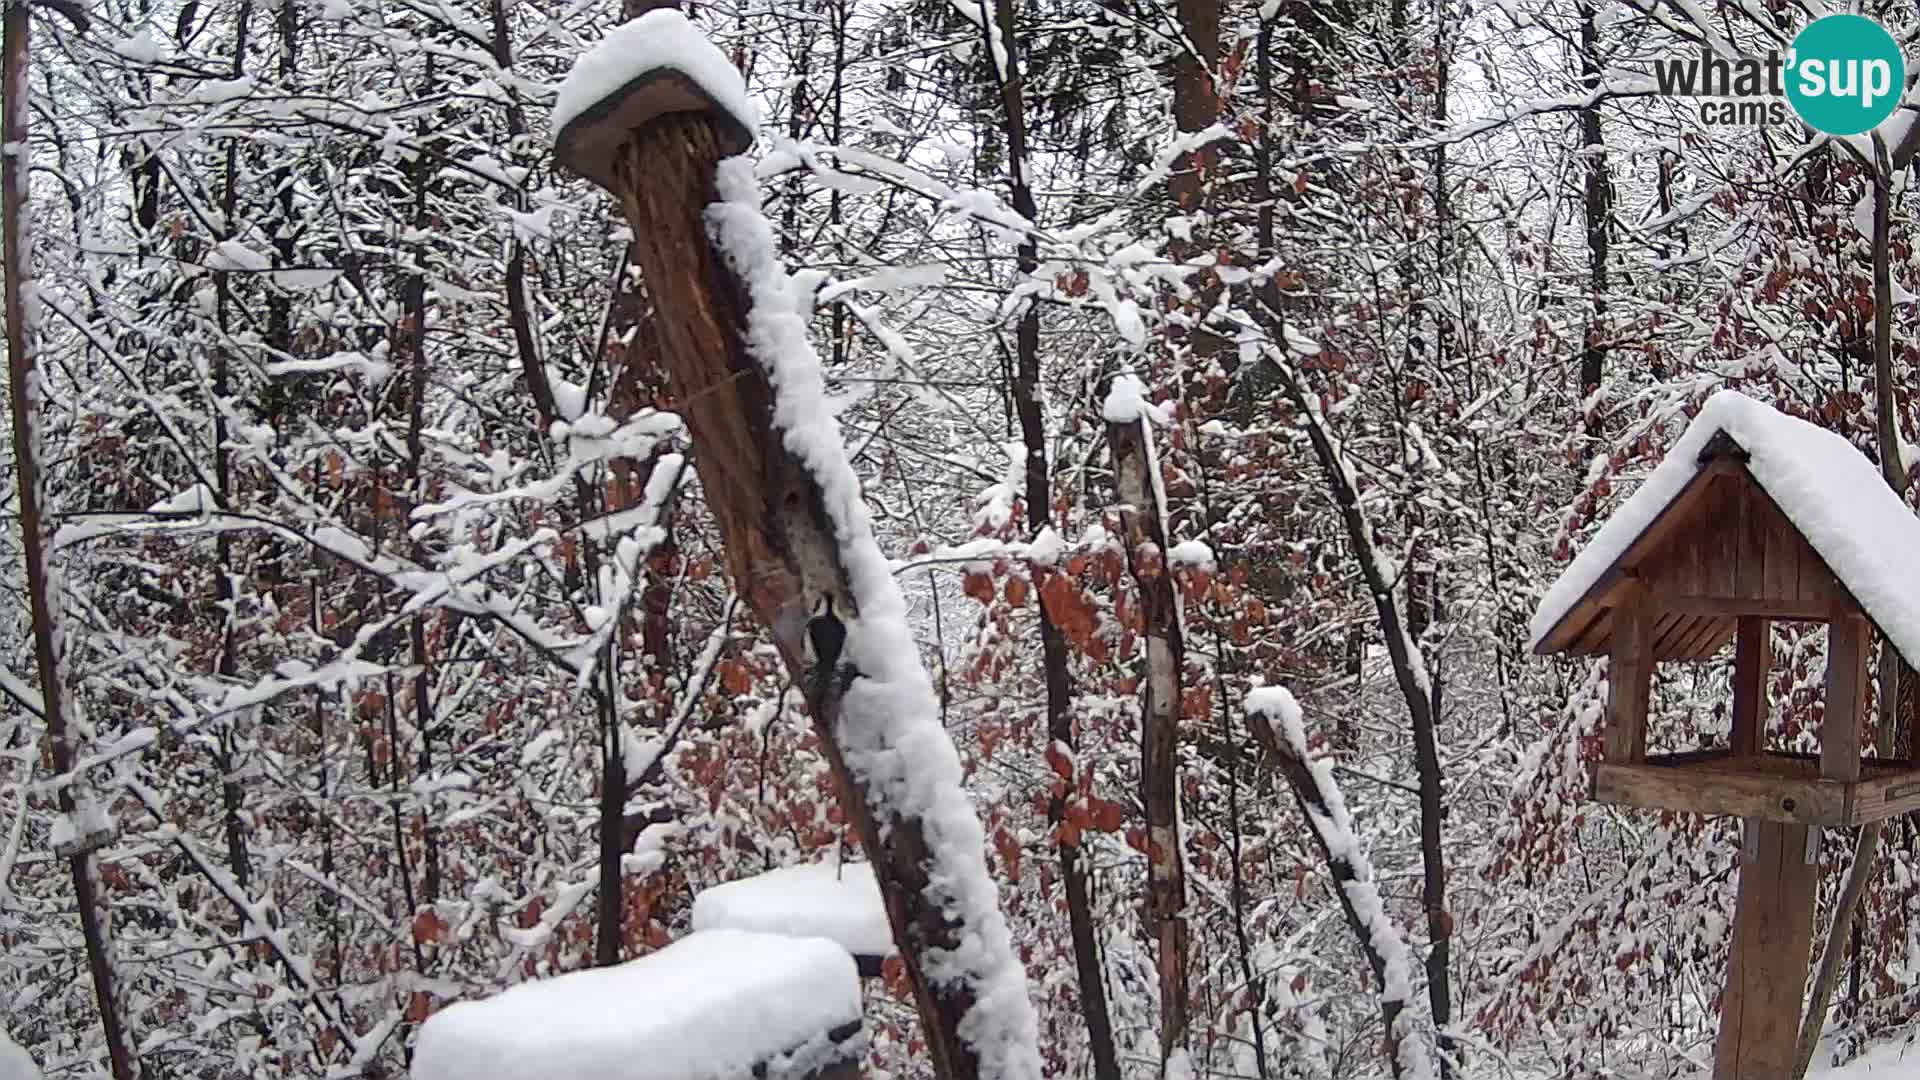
point(1143, 517)
point(1432, 859)
point(25, 394)
point(1053, 644)
point(1598, 205)
point(227, 738)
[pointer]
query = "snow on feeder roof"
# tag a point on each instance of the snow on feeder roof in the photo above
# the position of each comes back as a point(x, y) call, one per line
point(655, 65)
point(840, 903)
point(712, 1006)
point(1834, 501)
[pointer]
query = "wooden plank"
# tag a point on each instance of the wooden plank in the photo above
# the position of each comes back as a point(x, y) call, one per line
point(1712, 756)
point(1667, 637)
point(1886, 796)
point(1783, 544)
point(1752, 657)
point(1596, 636)
point(1724, 536)
point(1671, 519)
point(1738, 793)
point(1767, 969)
point(1846, 696)
point(1629, 683)
point(1702, 642)
point(1722, 635)
point(1752, 572)
point(1693, 604)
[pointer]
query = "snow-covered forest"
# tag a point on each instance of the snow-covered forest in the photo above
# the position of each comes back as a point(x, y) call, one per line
point(1196, 398)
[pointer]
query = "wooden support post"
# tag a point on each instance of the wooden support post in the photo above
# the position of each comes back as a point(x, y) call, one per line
point(1752, 657)
point(1629, 682)
point(1767, 971)
point(1846, 696)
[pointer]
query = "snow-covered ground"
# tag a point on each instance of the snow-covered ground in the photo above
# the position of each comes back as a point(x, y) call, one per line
point(15, 1063)
point(1896, 1060)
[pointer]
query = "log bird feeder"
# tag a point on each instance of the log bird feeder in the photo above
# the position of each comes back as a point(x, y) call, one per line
point(1752, 517)
point(656, 114)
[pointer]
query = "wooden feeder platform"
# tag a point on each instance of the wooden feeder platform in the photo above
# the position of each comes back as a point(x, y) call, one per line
point(1772, 786)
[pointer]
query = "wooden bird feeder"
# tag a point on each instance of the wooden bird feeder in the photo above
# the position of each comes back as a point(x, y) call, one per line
point(1754, 517)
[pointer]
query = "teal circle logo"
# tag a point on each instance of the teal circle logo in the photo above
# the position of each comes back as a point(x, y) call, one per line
point(1845, 74)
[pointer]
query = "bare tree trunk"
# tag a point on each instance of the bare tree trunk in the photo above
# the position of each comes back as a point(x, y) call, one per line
point(25, 389)
point(1053, 644)
point(227, 738)
point(1143, 517)
point(1313, 806)
point(1598, 207)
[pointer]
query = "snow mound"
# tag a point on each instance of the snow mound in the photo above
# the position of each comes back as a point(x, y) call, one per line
point(1826, 487)
point(710, 1006)
point(839, 903)
point(1127, 402)
point(1895, 1060)
point(15, 1063)
point(661, 38)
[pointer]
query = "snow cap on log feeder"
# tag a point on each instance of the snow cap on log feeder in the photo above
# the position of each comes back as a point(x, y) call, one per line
point(653, 66)
point(715, 1005)
point(1753, 516)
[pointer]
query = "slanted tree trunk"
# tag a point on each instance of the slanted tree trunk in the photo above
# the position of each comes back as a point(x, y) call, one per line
point(1409, 668)
point(1379, 941)
point(25, 390)
point(1053, 643)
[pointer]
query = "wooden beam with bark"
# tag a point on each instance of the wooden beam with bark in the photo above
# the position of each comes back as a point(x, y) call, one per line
point(798, 546)
point(1143, 516)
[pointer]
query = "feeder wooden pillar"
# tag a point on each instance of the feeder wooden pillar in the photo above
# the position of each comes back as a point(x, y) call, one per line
point(1767, 968)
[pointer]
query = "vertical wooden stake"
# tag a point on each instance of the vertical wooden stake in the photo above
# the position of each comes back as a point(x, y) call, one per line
point(1846, 696)
point(1752, 657)
point(1767, 972)
point(1629, 683)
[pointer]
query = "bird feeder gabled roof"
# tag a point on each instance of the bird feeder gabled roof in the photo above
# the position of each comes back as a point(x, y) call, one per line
point(1752, 512)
